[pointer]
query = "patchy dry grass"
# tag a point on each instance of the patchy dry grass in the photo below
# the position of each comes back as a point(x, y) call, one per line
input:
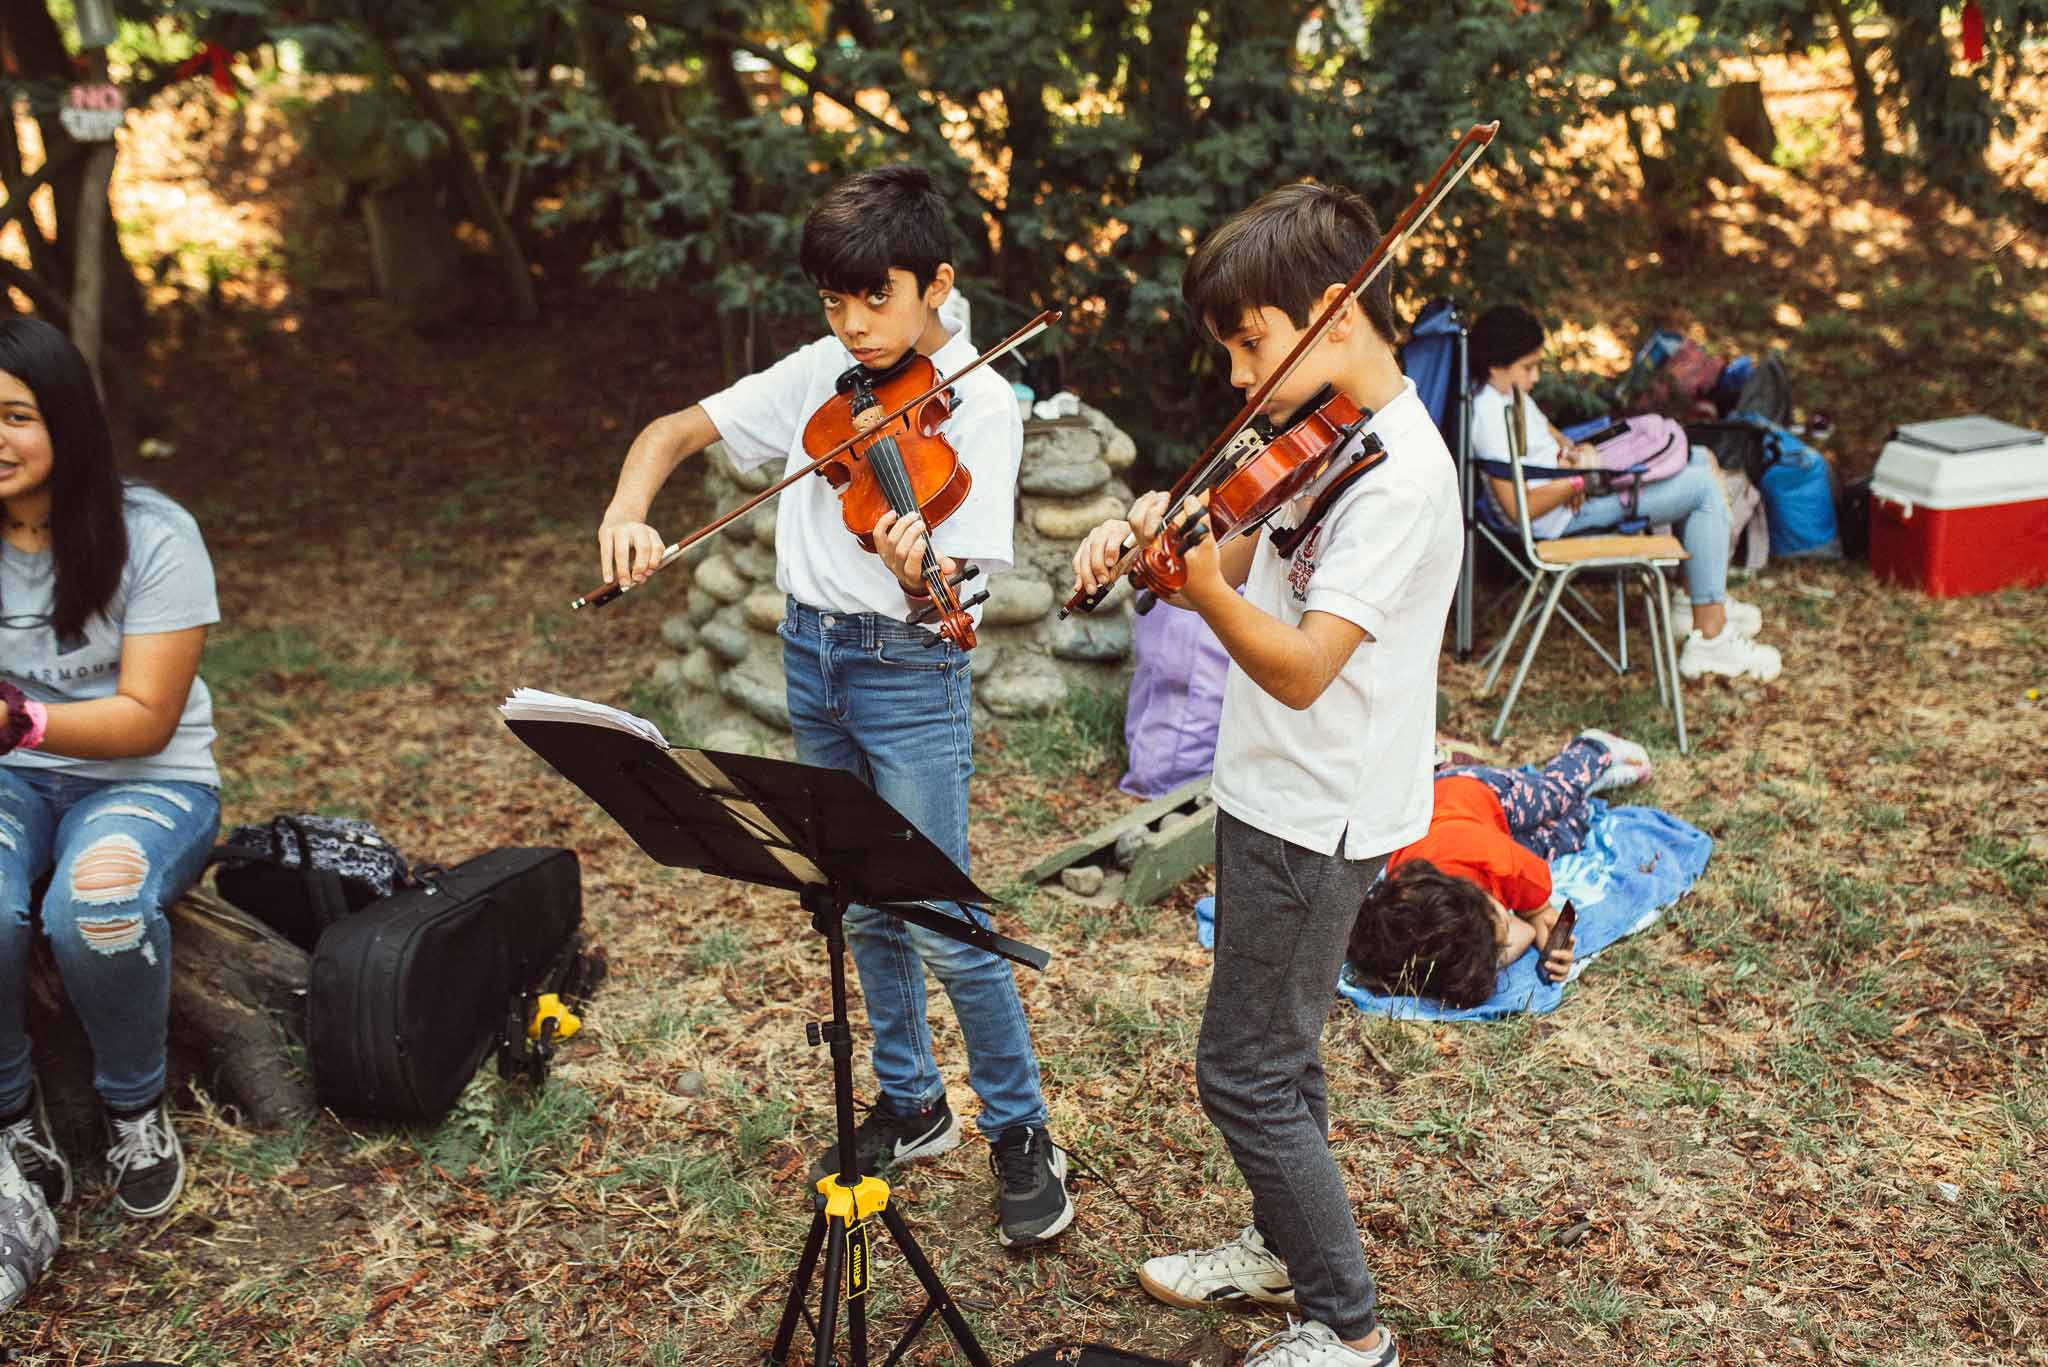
point(1801, 1120)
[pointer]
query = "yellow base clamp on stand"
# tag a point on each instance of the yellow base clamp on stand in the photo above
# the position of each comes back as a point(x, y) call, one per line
point(551, 1008)
point(852, 1206)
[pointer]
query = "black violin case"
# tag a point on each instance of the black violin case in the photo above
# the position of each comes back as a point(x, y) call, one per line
point(408, 995)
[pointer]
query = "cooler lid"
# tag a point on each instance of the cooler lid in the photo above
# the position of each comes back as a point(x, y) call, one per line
point(1961, 436)
point(1972, 462)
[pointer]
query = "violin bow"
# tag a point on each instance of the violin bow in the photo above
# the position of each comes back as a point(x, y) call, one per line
point(597, 598)
point(1462, 156)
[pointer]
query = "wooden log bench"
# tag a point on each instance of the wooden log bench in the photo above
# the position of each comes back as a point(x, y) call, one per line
point(237, 1001)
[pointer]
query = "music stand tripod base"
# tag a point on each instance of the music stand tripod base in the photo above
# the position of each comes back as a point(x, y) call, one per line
point(825, 835)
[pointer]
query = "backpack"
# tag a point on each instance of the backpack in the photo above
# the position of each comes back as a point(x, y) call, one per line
point(1671, 373)
point(1799, 494)
point(28, 1233)
point(265, 870)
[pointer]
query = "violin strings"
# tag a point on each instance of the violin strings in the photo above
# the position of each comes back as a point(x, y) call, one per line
point(886, 459)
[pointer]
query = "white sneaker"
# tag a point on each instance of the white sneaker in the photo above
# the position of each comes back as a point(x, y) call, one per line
point(1746, 618)
point(1731, 654)
point(1237, 1272)
point(1311, 1344)
point(1628, 761)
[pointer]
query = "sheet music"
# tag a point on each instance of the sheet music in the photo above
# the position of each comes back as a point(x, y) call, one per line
point(535, 704)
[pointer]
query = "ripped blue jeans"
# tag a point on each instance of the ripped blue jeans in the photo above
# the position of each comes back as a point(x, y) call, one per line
point(118, 852)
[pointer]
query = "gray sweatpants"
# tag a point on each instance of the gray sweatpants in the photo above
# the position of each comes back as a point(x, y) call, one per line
point(1283, 915)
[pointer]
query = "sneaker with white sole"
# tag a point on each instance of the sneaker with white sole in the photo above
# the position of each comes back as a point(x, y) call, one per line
point(1746, 618)
point(1032, 1203)
point(1243, 1271)
point(148, 1162)
point(1314, 1344)
point(29, 1139)
point(1731, 655)
point(1628, 762)
point(888, 1137)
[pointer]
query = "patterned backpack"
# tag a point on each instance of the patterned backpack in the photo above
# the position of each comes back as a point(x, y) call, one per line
point(300, 874)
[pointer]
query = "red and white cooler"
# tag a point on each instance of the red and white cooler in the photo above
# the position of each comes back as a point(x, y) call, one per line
point(1960, 506)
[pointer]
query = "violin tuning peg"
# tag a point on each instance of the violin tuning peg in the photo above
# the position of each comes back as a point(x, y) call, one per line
point(976, 601)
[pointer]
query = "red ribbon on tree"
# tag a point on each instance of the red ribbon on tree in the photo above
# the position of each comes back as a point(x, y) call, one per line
point(1973, 32)
point(215, 57)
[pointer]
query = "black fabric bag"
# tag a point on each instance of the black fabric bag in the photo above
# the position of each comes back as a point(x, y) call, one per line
point(408, 995)
point(300, 874)
point(1093, 1355)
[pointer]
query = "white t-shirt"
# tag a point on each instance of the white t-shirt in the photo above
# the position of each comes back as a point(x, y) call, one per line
point(1490, 442)
point(1353, 769)
point(817, 561)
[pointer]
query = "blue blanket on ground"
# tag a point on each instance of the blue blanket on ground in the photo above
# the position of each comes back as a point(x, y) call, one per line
point(1636, 862)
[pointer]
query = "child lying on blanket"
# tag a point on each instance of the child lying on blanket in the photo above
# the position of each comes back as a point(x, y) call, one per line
point(1474, 894)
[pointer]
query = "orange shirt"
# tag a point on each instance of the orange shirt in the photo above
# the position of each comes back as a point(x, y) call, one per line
point(1468, 838)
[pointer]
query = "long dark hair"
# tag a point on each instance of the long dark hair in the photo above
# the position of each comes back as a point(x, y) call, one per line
point(1426, 933)
point(88, 532)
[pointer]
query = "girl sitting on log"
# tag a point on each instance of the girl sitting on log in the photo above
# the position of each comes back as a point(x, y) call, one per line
point(107, 784)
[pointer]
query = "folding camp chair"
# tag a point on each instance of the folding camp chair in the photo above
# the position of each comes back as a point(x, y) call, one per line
point(1554, 562)
point(1435, 357)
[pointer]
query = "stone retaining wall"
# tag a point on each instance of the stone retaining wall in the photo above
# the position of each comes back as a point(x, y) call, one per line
point(724, 681)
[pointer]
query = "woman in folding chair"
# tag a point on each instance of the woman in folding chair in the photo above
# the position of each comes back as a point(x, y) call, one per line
point(1507, 358)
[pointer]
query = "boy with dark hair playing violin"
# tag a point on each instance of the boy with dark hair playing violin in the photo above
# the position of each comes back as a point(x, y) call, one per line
point(1323, 754)
point(866, 691)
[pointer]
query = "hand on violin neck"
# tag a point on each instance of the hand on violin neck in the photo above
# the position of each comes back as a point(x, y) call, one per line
point(900, 542)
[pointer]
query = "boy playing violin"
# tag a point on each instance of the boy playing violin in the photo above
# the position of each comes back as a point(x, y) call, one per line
point(1322, 758)
point(866, 693)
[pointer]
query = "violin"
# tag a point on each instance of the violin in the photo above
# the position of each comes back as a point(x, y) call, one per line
point(901, 464)
point(1251, 471)
point(894, 422)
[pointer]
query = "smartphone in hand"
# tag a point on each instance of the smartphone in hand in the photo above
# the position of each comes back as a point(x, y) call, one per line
point(1560, 937)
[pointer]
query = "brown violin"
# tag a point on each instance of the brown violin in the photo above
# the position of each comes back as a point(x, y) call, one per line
point(906, 412)
point(877, 441)
point(1250, 472)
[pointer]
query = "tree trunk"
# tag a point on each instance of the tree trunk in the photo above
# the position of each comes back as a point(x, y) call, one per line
point(39, 49)
point(476, 196)
point(1874, 150)
point(1743, 115)
point(605, 42)
point(237, 991)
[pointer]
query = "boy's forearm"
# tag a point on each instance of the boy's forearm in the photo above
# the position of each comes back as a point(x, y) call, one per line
point(661, 446)
point(1284, 661)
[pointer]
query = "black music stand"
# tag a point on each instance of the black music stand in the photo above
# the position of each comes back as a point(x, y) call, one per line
point(829, 838)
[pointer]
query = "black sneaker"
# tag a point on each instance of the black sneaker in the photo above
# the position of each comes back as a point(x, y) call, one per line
point(887, 1138)
point(1031, 1173)
point(148, 1162)
point(35, 1149)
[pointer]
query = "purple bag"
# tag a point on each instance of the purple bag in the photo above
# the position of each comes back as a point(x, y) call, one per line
point(1175, 700)
point(1650, 440)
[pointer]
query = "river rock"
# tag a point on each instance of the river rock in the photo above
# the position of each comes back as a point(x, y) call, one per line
point(1030, 687)
point(1067, 521)
point(755, 561)
point(700, 669)
point(717, 577)
point(1096, 639)
point(1120, 452)
point(764, 701)
point(678, 632)
point(762, 525)
point(1063, 446)
point(764, 609)
point(728, 640)
point(1015, 598)
point(1063, 481)
point(700, 606)
point(1083, 880)
point(753, 481)
point(668, 672)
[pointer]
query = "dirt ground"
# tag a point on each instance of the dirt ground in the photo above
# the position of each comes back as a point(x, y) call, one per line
point(1800, 1119)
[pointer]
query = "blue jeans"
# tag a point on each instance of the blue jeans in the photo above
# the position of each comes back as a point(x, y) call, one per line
point(1692, 498)
point(867, 696)
point(118, 852)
